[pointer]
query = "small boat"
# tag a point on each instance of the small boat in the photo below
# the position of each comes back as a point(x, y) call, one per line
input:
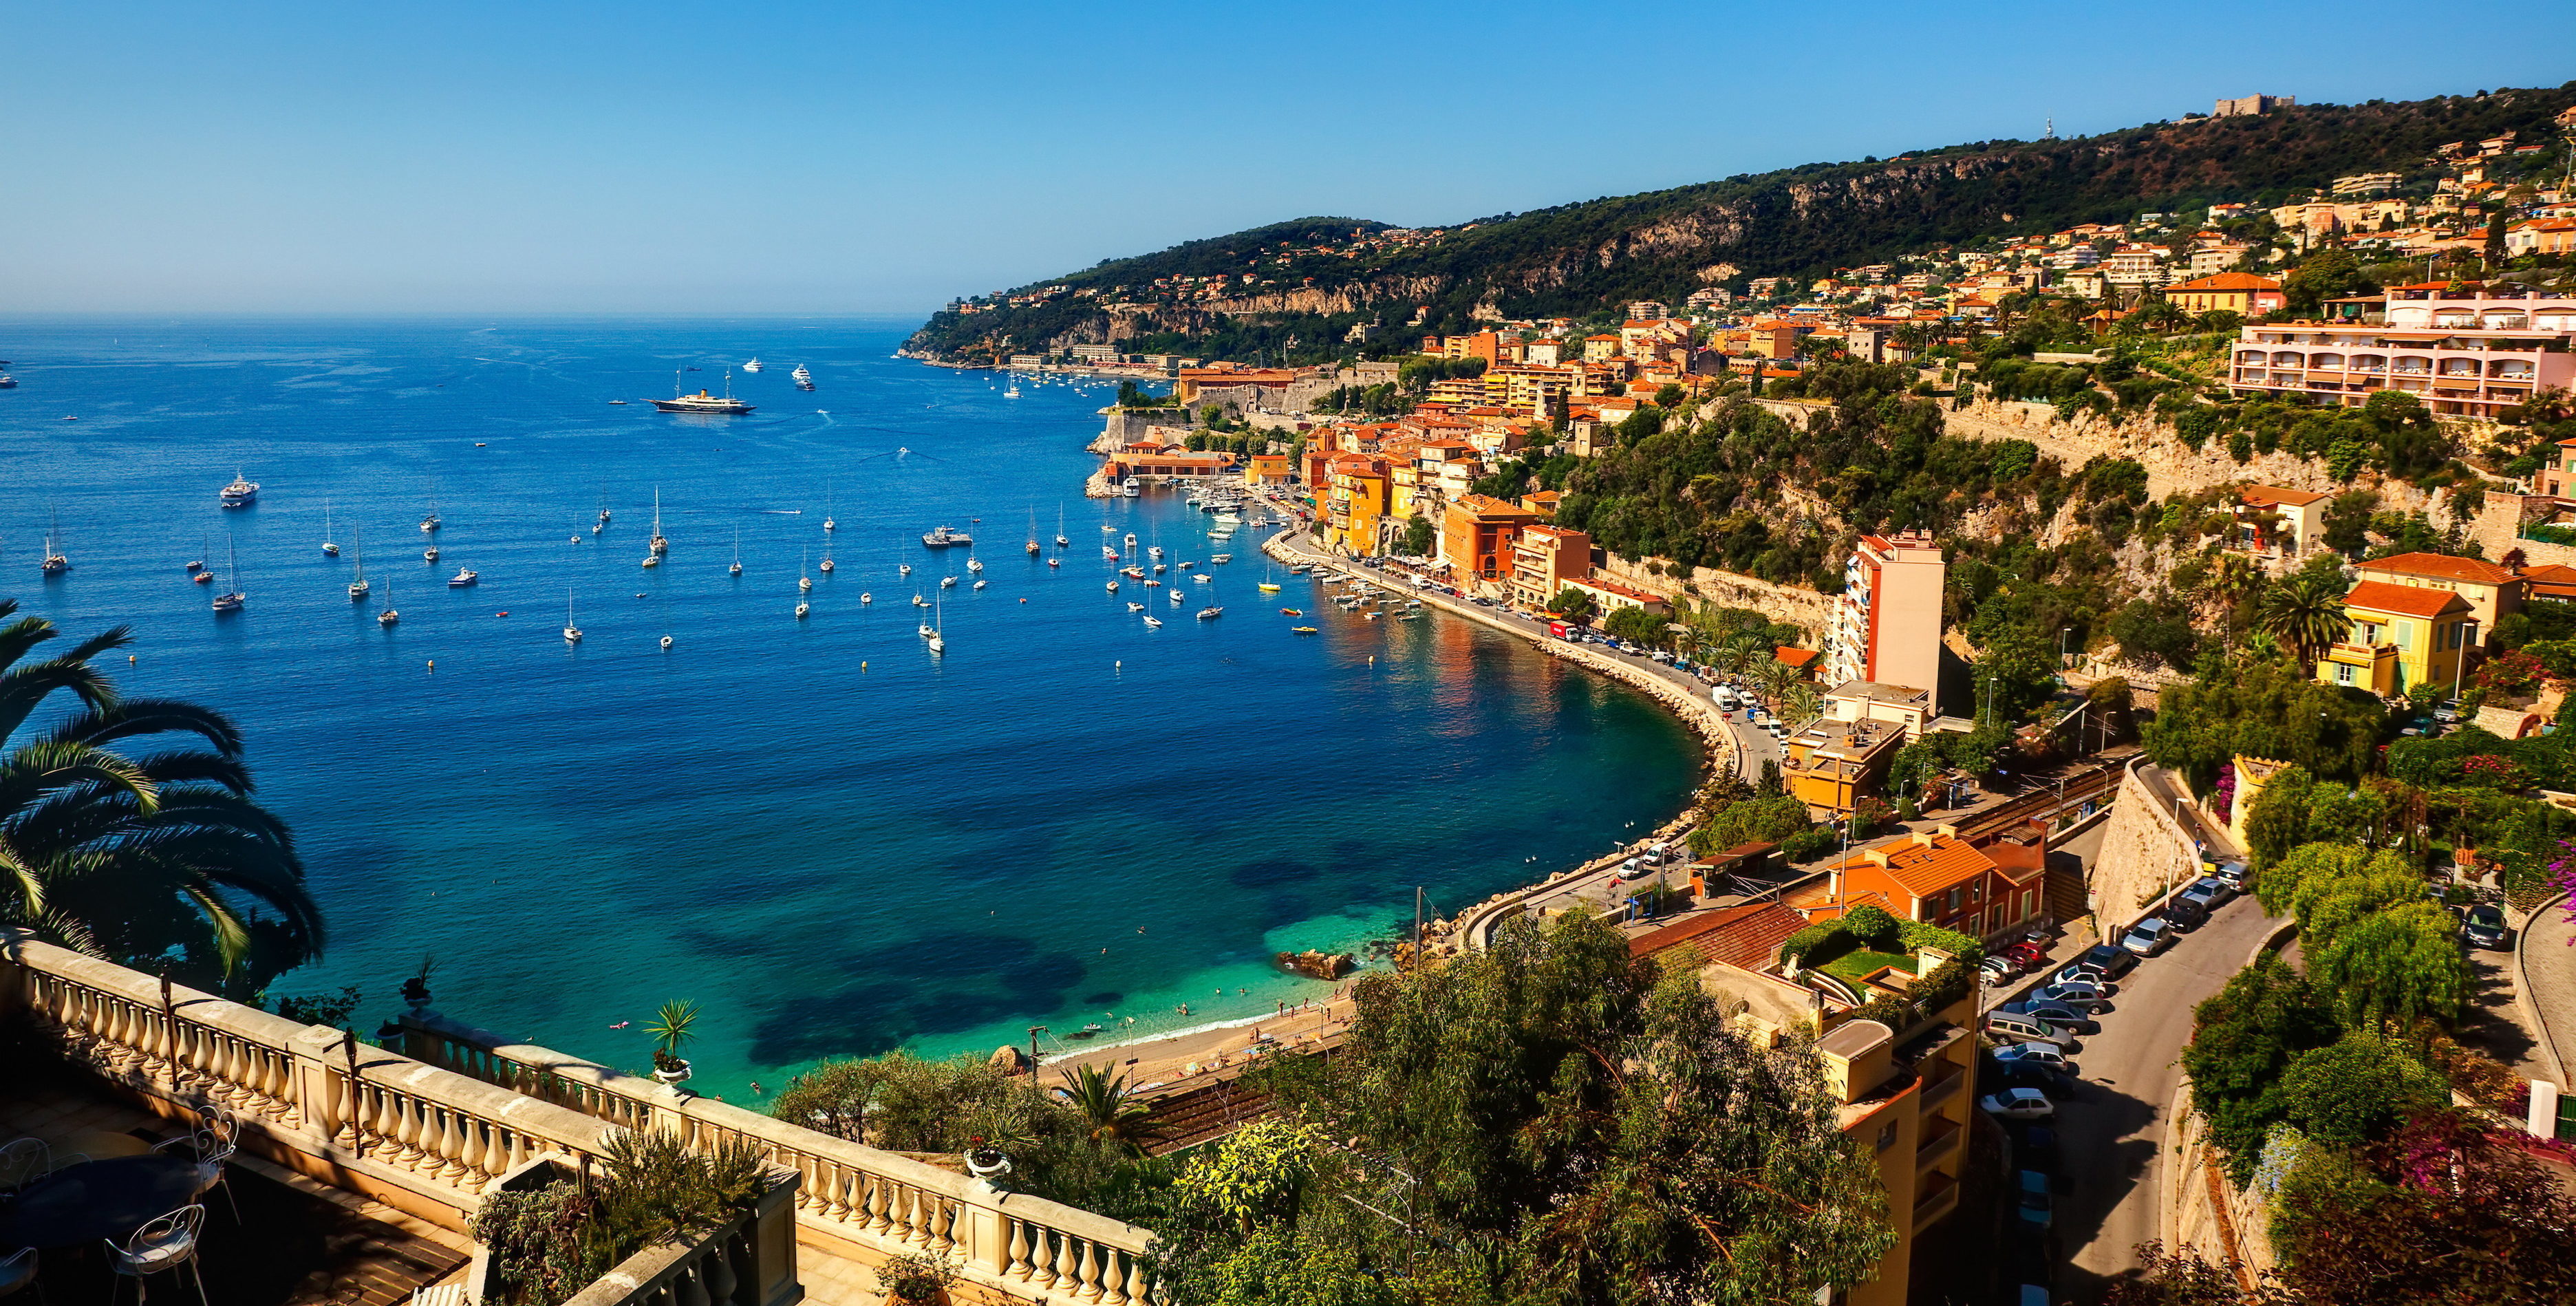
point(866, 598)
point(242, 493)
point(231, 599)
point(388, 616)
point(1303, 630)
point(948, 582)
point(1131, 539)
point(659, 545)
point(1154, 551)
point(1372, 615)
point(1060, 540)
point(1410, 614)
point(802, 609)
point(1055, 562)
point(572, 633)
point(1211, 613)
point(1153, 584)
point(752, 366)
point(429, 554)
point(329, 550)
point(666, 641)
point(56, 561)
point(943, 538)
point(1108, 553)
point(924, 630)
point(1153, 622)
point(905, 569)
point(1220, 557)
point(1203, 578)
point(1160, 568)
point(1135, 607)
point(619, 402)
point(825, 566)
point(1113, 587)
point(1185, 564)
point(429, 524)
point(981, 584)
point(1267, 588)
point(464, 576)
point(974, 564)
point(804, 583)
point(651, 561)
point(1131, 487)
point(206, 577)
point(1132, 573)
point(1292, 612)
point(1177, 600)
point(920, 602)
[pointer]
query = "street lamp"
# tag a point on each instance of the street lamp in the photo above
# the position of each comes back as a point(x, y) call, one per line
point(2062, 633)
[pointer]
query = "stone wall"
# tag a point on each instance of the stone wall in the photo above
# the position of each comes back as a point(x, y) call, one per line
point(2145, 851)
point(1798, 606)
point(1124, 428)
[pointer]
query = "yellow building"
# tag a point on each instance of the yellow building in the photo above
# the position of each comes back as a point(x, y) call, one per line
point(1355, 502)
point(1834, 764)
point(2493, 592)
point(2401, 637)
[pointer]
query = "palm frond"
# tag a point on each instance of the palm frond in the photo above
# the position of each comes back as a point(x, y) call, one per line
point(136, 717)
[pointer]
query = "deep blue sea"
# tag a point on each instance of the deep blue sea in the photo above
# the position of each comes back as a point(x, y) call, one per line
point(832, 840)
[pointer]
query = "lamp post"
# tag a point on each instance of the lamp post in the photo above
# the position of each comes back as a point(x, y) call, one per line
point(2062, 633)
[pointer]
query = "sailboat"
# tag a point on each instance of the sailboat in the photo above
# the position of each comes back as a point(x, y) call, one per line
point(388, 616)
point(329, 550)
point(431, 522)
point(1060, 540)
point(736, 568)
point(603, 510)
point(659, 544)
point(231, 599)
point(572, 633)
point(829, 525)
point(1033, 533)
point(56, 561)
point(938, 643)
point(358, 587)
point(827, 558)
point(804, 583)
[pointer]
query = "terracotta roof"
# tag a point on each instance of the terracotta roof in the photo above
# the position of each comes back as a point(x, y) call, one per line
point(2404, 600)
point(1923, 869)
point(1796, 657)
point(2554, 581)
point(1744, 936)
point(2226, 281)
point(2441, 566)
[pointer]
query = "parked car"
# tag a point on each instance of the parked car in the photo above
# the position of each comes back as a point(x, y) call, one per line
point(2107, 961)
point(2031, 1054)
point(2032, 1198)
point(1998, 969)
point(2038, 1146)
point(2207, 893)
point(2018, 1104)
point(2184, 917)
point(2056, 1083)
point(2018, 1028)
point(2082, 995)
point(2148, 937)
point(2234, 874)
point(2054, 1013)
point(2030, 955)
point(2484, 927)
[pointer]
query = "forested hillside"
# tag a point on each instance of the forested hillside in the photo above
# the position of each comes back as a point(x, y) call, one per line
point(1577, 259)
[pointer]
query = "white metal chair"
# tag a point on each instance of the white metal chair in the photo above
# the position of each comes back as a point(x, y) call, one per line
point(163, 1245)
point(213, 1145)
point(16, 1272)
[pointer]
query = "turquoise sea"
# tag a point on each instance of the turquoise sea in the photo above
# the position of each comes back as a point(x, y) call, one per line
point(832, 840)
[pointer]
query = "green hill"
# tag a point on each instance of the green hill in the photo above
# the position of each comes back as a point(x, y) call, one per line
point(1578, 259)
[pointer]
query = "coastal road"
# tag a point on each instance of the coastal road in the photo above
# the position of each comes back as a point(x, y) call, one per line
point(2111, 1133)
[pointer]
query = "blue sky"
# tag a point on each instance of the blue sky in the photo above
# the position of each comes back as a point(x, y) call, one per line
point(854, 158)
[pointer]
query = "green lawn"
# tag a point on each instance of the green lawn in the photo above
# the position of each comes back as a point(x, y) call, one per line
point(1859, 962)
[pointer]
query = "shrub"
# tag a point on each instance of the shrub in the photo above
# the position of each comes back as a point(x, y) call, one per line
point(1871, 924)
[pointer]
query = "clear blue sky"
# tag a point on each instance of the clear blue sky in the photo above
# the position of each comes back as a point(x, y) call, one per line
point(847, 158)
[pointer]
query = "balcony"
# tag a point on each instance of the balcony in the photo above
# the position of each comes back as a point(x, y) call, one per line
point(456, 1111)
point(1937, 1196)
point(1940, 1141)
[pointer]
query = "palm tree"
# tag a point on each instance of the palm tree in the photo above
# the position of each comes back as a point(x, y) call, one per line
point(1775, 677)
point(1101, 1099)
point(133, 859)
point(2304, 613)
point(1746, 651)
point(2231, 576)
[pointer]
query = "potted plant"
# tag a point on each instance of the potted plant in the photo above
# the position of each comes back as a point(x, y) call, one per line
point(415, 991)
point(671, 1027)
point(985, 1161)
point(919, 1277)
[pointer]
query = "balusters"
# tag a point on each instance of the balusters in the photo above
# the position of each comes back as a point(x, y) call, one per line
point(1015, 1261)
point(1090, 1271)
point(722, 1283)
point(880, 1202)
point(1065, 1277)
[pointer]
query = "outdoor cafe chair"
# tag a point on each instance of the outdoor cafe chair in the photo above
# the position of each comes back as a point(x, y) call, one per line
point(163, 1245)
point(17, 1271)
point(214, 1145)
point(23, 1162)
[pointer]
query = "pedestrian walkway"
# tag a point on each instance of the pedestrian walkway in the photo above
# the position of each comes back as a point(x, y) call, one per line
point(2548, 970)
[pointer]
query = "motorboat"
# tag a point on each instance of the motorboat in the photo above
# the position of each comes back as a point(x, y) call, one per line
point(944, 538)
point(752, 366)
point(464, 576)
point(1267, 588)
point(1135, 607)
point(1153, 622)
point(974, 564)
point(802, 376)
point(1113, 587)
point(802, 609)
point(920, 602)
point(1177, 600)
point(1108, 553)
point(948, 582)
point(982, 583)
point(1292, 612)
point(666, 641)
point(905, 569)
point(242, 493)
point(1220, 557)
point(1055, 562)
point(1131, 487)
point(866, 598)
point(1131, 539)
point(1303, 630)
point(429, 554)
point(1203, 578)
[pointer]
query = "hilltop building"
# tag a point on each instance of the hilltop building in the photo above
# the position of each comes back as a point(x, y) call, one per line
point(2401, 636)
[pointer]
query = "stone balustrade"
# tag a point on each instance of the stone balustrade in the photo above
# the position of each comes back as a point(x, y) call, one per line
point(424, 1139)
point(875, 1204)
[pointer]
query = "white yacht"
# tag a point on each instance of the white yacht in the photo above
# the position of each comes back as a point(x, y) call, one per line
point(329, 550)
point(572, 633)
point(752, 366)
point(56, 561)
point(464, 577)
point(802, 375)
point(242, 493)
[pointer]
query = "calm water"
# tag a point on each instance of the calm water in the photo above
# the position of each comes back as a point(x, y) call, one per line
point(834, 841)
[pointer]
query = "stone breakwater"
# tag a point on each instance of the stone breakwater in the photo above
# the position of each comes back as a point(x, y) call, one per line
point(1473, 925)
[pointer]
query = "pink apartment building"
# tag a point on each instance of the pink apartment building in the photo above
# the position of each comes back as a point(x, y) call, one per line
point(2465, 353)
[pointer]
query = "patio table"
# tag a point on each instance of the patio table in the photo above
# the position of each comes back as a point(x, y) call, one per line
point(96, 1200)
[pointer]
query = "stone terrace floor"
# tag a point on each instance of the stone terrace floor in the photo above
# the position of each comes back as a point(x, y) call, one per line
point(297, 1243)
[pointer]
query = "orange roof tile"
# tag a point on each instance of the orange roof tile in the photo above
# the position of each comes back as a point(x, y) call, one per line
point(2261, 495)
point(2440, 566)
point(2403, 600)
point(1923, 870)
point(1744, 936)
